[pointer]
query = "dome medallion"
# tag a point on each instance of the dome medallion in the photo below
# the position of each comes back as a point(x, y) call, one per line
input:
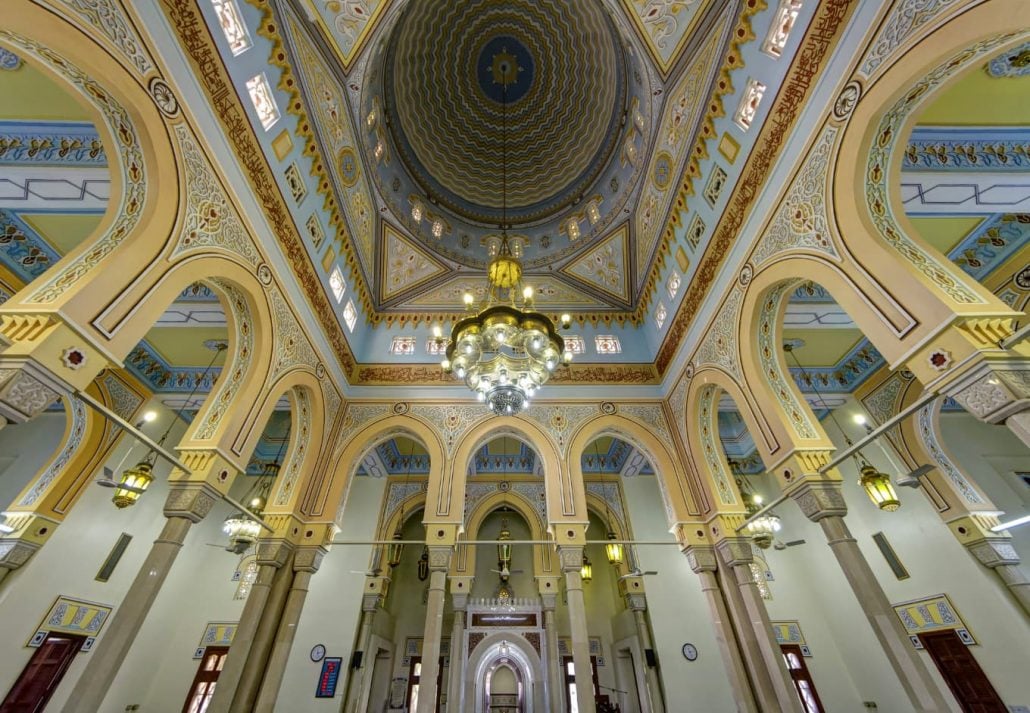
point(458, 71)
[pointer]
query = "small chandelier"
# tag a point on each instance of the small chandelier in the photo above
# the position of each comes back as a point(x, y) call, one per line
point(395, 549)
point(762, 529)
point(505, 350)
point(879, 488)
point(242, 531)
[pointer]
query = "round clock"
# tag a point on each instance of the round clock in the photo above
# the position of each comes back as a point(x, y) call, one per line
point(690, 652)
point(317, 652)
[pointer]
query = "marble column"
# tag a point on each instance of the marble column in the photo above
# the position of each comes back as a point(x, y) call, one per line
point(637, 603)
point(360, 677)
point(703, 562)
point(271, 556)
point(823, 503)
point(456, 674)
point(439, 561)
point(756, 630)
point(571, 558)
point(305, 563)
point(184, 507)
point(264, 636)
point(555, 689)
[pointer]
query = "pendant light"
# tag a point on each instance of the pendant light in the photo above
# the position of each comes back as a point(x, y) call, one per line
point(613, 550)
point(586, 572)
point(877, 485)
point(763, 529)
point(135, 480)
point(243, 531)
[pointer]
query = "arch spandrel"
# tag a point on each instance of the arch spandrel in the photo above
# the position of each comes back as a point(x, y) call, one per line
point(866, 185)
point(565, 496)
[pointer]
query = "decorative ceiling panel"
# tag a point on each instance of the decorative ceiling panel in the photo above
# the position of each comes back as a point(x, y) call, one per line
point(606, 266)
point(665, 26)
point(348, 23)
point(403, 265)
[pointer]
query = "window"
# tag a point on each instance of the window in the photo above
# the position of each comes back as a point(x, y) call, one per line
point(438, 347)
point(263, 101)
point(659, 315)
point(783, 23)
point(336, 284)
point(350, 315)
point(673, 284)
point(203, 688)
point(748, 107)
point(232, 25)
point(575, 344)
point(607, 344)
point(802, 679)
point(405, 346)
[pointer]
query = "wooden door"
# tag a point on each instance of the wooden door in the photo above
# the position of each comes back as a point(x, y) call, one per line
point(44, 671)
point(962, 673)
point(803, 682)
point(203, 688)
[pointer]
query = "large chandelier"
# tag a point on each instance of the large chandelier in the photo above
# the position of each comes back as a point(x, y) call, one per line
point(505, 350)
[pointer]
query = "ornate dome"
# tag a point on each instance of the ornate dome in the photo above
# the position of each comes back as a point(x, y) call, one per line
point(550, 74)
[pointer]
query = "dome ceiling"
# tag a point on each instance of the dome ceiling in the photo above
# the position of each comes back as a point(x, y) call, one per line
point(541, 81)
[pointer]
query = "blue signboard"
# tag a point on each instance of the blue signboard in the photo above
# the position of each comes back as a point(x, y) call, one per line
point(331, 666)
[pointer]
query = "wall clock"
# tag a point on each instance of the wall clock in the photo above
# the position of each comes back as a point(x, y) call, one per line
point(690, 652)
point(317, 652)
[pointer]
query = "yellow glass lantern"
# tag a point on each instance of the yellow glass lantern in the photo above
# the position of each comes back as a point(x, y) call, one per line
point(613, 550)
point(879, 488)
point(394, 550)
point(586, 572)
point(134, 483)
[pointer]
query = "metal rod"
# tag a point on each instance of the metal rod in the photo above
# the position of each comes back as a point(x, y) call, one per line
point(761, 511)
point(1019, 335)
point(125, 425)
point(878, 431)
point(159, 449)
point(507, 542)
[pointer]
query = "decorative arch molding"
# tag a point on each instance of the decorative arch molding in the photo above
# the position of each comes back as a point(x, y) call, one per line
point(565, 495)
point(672, 481)
point(769, 436)
point(464, 561)
point(357, 438)
point(703, 428)
point(929, 430)
point(525, 654)
point(865, 185)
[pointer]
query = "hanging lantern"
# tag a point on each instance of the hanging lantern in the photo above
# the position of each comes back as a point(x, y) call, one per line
point(763, 530)
point(879, 488)
point(423, 565)
point(134, 483)
point(613, 550)
point(586, 572)
point(504, 546)
point(242, 531)
point(395, 549)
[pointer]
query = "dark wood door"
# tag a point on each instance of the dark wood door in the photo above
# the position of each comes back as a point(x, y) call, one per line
point(962, 673)
point(41, 675)
point(203, 688)
point(803, 682)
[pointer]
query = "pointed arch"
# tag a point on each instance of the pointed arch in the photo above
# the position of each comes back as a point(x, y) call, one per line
point(464, 561)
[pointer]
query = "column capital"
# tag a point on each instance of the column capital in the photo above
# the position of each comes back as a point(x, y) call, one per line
point(192, 501)
point(570, 558)
point(371, 602)
point(701, 558)
point(273, 553)
point(31, 531)
point(16, 552)
point(820, 498)
point(549, 602)
point(636, 601)
point(993, 390)
point(735, 551)
point(308, 559)
point(461, 585)
point(439, 557)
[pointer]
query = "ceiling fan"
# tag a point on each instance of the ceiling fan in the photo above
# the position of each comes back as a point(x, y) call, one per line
point(638, 573)
point(780, 545)
point(374, 572)
point(505, 572)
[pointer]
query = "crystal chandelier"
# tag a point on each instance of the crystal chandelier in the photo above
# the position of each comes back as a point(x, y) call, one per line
point(504, 350)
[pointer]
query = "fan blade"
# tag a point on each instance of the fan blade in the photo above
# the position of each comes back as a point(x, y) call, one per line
point(649, 572)
point(792, 543)
point(516, 571)
point(107, 479)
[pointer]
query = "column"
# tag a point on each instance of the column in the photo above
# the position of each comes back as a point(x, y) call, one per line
point(264, 636)
point(439, 561)
point(571, 558)
point(735, 554)
point(549, 597)
point(456, 674)
point(271, 556)
point(360, 677)
point(822, 502)
point(703, 562)
point(305, 563)
point(637, 603)
point(185, 506)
